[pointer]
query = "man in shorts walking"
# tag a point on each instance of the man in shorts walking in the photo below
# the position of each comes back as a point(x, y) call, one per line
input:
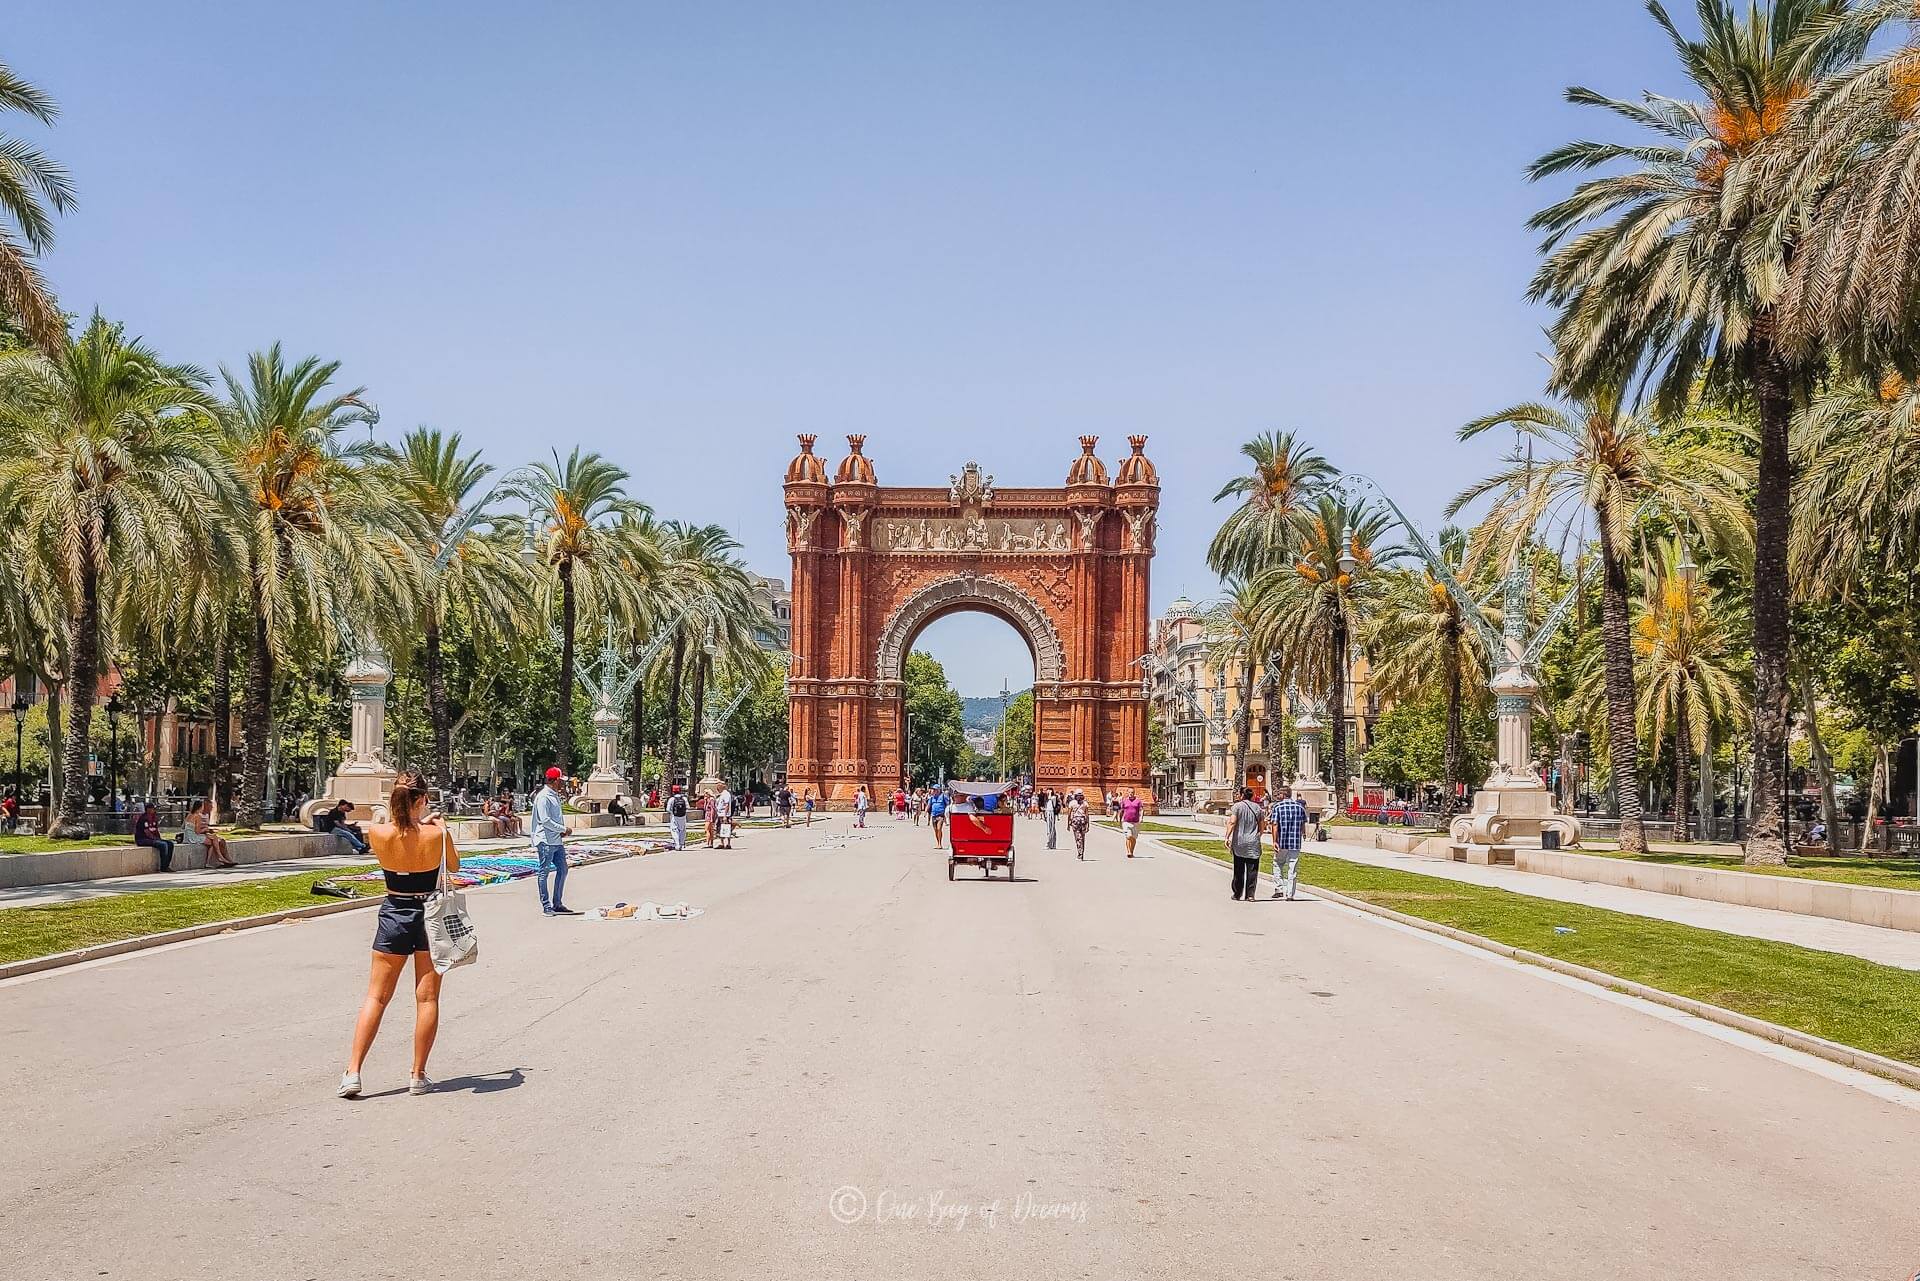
point(1130, 810)
point(937, 814)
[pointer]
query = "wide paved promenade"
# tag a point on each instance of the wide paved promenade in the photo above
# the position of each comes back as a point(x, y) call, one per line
point(1108, 1070)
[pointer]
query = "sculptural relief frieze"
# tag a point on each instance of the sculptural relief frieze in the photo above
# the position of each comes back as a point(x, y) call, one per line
point(978, 534)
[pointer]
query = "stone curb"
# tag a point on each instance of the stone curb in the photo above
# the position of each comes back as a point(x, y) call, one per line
point(186, 934)
point(1846, 1055)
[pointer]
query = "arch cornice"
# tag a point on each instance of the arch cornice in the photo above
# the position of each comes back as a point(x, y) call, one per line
point(960, 591)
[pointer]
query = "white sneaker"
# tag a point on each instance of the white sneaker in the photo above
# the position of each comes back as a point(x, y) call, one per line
point(420, 1085)
point(349, 1086)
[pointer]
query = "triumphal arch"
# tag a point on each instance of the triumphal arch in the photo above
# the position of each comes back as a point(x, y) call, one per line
point(873, 566)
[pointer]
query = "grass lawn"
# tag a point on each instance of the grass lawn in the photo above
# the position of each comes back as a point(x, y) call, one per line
point(1842, 998)
point(1883, 873)
point(1149, 826)
point(61, 927)
point(46, 844)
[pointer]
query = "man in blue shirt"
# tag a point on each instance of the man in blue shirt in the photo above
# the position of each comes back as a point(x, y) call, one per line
point(550, 831)
point(1289, 820)
point(937, 814)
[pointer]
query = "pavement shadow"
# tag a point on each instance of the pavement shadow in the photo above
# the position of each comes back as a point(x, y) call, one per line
point(472, 1083)
point(996, 880)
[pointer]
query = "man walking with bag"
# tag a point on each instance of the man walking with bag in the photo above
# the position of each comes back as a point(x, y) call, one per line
point(1289, 828)
point(677, 817)
point(1244, 822)
point(550, 832)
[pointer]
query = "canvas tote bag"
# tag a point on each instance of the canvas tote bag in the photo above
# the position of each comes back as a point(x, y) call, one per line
point(450, 937)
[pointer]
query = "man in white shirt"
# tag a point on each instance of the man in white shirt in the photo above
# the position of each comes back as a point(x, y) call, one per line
point(723, 816)
point(549, 832)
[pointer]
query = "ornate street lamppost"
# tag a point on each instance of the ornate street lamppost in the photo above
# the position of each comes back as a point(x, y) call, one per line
point(113, 750)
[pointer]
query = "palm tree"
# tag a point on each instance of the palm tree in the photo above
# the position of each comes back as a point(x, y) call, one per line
point(1614, 466)
point(1285, 478)
point(113, 456)
point(472, 562)
point(1424, 641)
point(323, 538)
point(1675, 266)
point(705, 597)
point(1316, 607)
point(1692, 681)
point(1857, 504)
point(1234, 640)
point(580, 513)
point(32, 189)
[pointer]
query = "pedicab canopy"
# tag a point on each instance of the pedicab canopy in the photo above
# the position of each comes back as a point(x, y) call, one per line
point(983, 797)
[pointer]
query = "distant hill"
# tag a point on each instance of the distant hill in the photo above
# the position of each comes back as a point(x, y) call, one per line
point(983, 713)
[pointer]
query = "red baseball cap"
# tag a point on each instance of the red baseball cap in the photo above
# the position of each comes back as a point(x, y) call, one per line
point(553, 772)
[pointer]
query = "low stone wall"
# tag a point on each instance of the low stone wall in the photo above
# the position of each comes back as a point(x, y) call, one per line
point(1861, 904)
point(98, 862)
point(1386, 838)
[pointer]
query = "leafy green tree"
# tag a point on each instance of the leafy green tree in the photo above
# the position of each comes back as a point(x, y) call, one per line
point(32, 189)
point(939, 745)
point(1674, 266)
point(1013, 742)
point(1411, 742)
point(109, 455)
point(755, 737)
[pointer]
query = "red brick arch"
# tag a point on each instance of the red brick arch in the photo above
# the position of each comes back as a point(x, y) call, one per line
point(873, 566)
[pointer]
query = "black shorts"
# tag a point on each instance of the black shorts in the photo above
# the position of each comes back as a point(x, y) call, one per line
point(402, 930)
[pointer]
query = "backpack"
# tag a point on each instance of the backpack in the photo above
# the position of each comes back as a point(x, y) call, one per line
point(677, 807)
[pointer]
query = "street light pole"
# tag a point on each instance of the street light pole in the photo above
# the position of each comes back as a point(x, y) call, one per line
point(20, 706)
point(113, 749)
point(1005, 765)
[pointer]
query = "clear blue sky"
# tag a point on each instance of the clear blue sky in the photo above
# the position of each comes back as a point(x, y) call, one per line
point(680, 234)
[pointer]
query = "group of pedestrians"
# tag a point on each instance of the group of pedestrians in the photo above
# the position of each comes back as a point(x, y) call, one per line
point(1247, 822)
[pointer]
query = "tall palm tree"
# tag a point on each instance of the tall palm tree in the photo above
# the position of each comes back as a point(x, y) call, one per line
point(1857, 503)
point(32, 189)
point(705, 597)
point(1285, 477)
point(471, 561)
point(1693, 680)
point(323, 537)
point(581, 513)
point(1315, 608)
point(1423, 641)
point(1611, 465)
point(1235, 641)
point(113, 456)
point(1675, 266)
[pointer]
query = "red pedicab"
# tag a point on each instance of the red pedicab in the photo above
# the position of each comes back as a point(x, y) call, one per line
point(979, 828)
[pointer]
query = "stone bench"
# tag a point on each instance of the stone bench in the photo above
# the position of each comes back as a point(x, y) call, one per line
point(97, 862)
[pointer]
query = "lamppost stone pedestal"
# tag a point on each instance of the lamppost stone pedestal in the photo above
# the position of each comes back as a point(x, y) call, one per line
point(604, 783)
point(1308, 785)
point(364, 777)
point(1513, 807)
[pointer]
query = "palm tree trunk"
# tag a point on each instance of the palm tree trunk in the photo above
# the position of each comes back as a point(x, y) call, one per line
point(437, 709)
point(256, 714)
point(1682, 773)
point(56, 738)
point(1876, 829)
point(1772, 490)
point(674, 676)
point(1454, 765)
point(83, 646)
point(1822, 763)
point(1337, 714)
point(1616, 638)
point(563, 698)
point(1243, 727)
point(221, 701)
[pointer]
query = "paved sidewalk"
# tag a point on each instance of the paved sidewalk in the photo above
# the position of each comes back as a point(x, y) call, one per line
point(1888, 947)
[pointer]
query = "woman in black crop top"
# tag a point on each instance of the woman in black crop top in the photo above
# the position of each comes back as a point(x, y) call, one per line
point(409, 846)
